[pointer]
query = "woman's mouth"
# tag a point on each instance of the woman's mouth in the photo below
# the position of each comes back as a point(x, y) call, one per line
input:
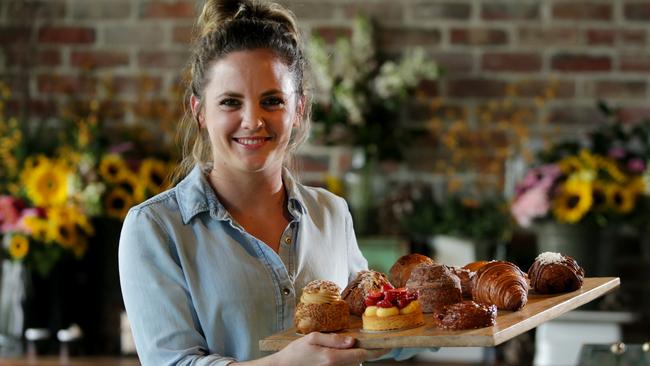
point(251, 142)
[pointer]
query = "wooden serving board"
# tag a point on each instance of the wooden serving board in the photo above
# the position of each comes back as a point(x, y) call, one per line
point(539, 309)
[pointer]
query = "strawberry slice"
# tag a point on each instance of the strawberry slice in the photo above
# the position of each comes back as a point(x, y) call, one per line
point(369, 301)
point(384, 304)
point(387, 286)
point(377, 295)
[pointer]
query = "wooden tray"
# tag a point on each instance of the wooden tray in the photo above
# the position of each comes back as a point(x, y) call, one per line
point(539, 309)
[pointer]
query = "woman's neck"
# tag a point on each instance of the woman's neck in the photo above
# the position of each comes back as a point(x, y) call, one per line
point(244, 193)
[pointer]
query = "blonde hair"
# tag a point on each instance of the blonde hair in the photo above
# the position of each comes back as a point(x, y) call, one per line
point(226, 26)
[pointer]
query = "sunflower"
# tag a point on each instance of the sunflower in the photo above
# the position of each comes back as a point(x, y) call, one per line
point(599, 191)
point(64, 234)
point(118, 202)
point(573, 200)
point(112, 167)
point(610, 168)
point(570, 165)
point(37, 227)
point(153, 173)
point(18, 246)
point(620, 198)
point(130, 183)
point(48, 184)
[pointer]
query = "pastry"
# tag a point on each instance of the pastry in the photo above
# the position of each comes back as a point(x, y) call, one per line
point(436, 284)
point(466, 280)
point(356, 291)
point(474, 266)
point(553, 273)
point(392, 309)
point(502, 284)
point(401, 271)
point(465, 315)
point(321, 308)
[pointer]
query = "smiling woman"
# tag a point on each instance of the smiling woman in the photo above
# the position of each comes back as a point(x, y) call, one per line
point(214, 265)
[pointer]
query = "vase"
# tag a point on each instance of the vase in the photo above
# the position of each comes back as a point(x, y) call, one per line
point(588, 244)
point(364, 186)
point(12, 317)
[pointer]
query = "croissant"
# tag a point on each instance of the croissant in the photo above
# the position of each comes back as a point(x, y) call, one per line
point(502, 284)
point(553, 273)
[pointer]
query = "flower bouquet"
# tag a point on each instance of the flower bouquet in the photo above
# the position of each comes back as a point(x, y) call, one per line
point(358, 97)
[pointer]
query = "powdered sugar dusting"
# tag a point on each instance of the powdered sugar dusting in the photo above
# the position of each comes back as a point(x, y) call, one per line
point(549, 257)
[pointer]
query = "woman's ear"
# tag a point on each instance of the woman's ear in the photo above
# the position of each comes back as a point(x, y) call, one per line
point(300, 111)
point(195, 105)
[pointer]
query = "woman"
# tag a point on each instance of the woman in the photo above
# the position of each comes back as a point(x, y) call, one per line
point(215, 264)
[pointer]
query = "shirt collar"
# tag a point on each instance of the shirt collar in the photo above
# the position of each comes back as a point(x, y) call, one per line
point(195, 195)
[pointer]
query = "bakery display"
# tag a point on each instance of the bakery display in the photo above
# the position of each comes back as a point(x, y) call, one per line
point(436, 284)
point(392, 309)
point(321, 308)
point(356, 291)
point(502, 284)
point(553, 273)
point(465, 315)
point(466, 278)
point(401, 271)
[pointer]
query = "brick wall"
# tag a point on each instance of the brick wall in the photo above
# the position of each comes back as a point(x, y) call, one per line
point(557, 56)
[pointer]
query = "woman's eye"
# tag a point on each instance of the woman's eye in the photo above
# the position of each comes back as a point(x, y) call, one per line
point(230, 102)
point(273, 102)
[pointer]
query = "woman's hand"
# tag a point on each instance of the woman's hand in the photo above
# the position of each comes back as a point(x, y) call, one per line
point(325, 349)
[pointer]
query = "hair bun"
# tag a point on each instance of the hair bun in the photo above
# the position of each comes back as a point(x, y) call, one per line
point(216, 13)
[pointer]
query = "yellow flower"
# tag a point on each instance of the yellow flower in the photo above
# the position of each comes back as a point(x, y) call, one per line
point(588, 160)
point(112, 167)
point(334, 185)
point(47, 185)
point(64, 234)
point(153, 174)
point(599, 191)
point(118, 202)
point(570, 165)
point(573, 200)
point(611, 169)
point(18, 246)
point(37, 227)
point(130, 183)
point(620, 199)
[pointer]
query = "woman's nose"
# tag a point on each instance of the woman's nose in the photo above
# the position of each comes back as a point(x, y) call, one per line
point(252, 118)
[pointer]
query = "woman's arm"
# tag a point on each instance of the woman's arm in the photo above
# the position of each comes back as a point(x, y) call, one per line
point(164, 323)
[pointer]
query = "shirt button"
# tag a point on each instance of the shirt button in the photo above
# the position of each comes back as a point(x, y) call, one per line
point(286, 291)
point(287, 240)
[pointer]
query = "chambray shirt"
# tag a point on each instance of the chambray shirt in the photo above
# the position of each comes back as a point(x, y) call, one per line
point(200, 290)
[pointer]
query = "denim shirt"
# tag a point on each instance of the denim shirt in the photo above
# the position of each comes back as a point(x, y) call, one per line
point(198, 289)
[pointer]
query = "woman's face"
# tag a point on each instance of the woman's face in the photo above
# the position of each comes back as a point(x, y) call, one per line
point(250, 107)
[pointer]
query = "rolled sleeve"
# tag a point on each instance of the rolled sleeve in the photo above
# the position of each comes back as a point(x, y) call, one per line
point(156, 296)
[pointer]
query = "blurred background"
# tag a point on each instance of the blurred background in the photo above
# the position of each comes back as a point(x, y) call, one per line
point(463, 130)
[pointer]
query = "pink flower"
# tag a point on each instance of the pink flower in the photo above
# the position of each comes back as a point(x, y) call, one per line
point(10, 210)
point(544, 175)
point(636, 165)
point(616, 153)
point(532, 204)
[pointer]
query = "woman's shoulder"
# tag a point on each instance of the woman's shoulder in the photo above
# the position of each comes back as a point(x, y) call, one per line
point(312, 195)
point(160, 205)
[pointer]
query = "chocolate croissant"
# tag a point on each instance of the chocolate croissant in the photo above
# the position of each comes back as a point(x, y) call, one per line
point(502, 284)
point(552, 273)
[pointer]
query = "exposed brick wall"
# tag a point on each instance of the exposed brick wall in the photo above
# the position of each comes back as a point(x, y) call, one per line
point(589, 49)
